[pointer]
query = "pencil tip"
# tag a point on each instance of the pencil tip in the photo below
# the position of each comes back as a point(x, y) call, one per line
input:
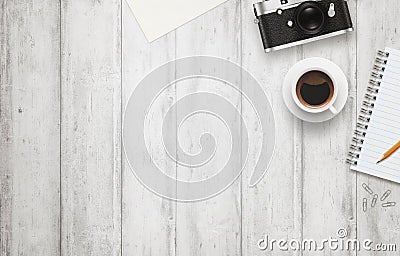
point(379, 161)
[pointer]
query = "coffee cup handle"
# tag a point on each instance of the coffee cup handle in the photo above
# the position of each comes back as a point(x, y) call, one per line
point(333, 110)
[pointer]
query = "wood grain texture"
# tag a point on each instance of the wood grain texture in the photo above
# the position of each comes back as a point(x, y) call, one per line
point(148, 221)
point(29, 128)
point(96, 206)
point(91, 127)
point(273, 207)
point(378, 27)
point(211, 227)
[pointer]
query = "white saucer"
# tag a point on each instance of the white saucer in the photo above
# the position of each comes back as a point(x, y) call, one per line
point(342, 84)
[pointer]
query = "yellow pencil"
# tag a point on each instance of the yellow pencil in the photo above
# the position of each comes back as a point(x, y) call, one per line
point(389, 152)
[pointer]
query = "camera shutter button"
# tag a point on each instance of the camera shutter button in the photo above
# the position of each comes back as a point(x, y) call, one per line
point(331, 11)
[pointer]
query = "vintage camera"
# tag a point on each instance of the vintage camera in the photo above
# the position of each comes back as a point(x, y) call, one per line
point(287, 23)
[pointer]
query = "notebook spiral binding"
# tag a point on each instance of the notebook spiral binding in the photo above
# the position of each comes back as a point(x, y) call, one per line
point(367, 107)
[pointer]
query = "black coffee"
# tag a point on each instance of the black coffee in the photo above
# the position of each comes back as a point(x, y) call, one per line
point(315, 89)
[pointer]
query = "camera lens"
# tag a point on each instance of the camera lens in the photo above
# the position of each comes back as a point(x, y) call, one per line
point(310, 18)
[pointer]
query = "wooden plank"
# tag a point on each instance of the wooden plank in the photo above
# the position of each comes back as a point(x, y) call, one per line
point(29, 128)
point(148, 221)
point(273, 207)
point(329, 188)
point(292, 188)
point(211, 227)
point(90, 127)
point(378, 27)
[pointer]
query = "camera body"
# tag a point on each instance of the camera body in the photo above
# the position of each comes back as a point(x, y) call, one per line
point(287, 23)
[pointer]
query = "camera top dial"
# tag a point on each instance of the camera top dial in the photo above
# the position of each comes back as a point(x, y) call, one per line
point(310, 18)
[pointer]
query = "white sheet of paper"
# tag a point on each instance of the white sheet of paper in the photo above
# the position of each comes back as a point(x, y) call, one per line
point(159, 17)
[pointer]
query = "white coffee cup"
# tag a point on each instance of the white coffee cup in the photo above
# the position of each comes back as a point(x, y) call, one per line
point(316, 64)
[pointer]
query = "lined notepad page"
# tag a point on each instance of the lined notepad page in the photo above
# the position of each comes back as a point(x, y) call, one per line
point(384, 126)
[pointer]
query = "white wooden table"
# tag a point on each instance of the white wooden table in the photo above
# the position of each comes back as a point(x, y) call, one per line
point(67, 68)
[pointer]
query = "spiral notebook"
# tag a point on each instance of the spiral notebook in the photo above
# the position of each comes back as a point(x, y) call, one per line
point(378, 127)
